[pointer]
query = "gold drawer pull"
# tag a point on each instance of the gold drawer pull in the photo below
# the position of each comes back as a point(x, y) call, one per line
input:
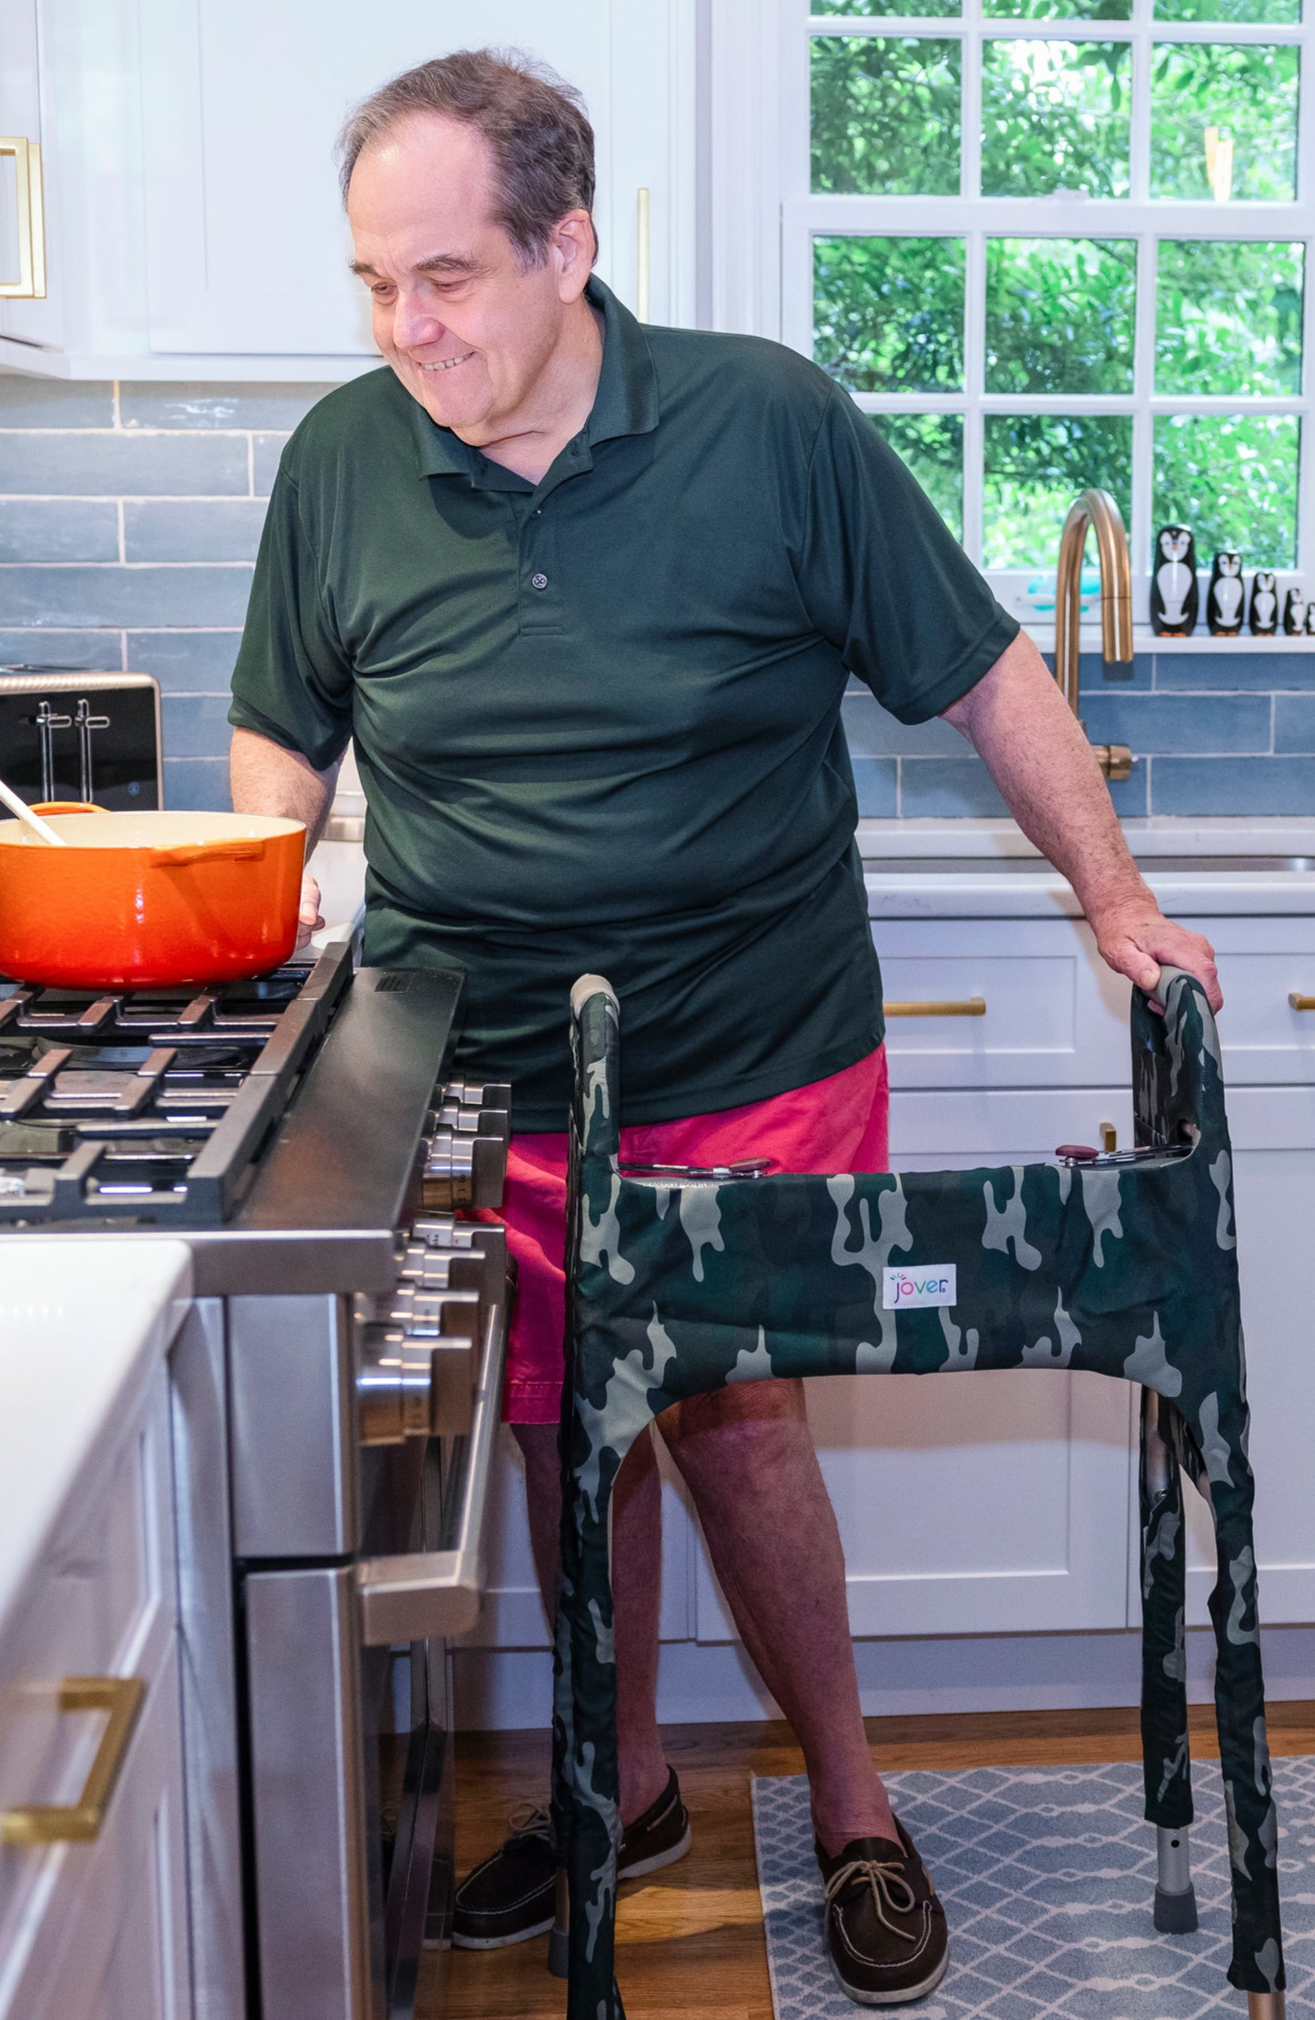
point(1109, 1138)
point(31, 218)
point(974, 1007)
point(80, 1822)
point(1300, 1002)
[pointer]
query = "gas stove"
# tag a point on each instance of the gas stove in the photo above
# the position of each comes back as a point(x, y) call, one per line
point(288, 1126)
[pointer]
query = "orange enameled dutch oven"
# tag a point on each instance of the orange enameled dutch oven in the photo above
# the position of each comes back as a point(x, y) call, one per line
point(146, 899)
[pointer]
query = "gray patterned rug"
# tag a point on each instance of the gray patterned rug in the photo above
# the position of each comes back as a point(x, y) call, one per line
point(1047, 1876)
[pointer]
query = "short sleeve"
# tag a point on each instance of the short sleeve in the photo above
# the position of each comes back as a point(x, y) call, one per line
point(292, 682)
point(883, 578)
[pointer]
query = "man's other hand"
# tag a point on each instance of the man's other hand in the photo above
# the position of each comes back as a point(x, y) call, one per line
point(308, 918)
point(1135, 938)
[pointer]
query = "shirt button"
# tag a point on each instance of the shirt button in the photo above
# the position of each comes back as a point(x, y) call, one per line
point(538, 582)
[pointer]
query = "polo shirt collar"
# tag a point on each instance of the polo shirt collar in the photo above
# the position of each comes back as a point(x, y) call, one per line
point(626, 402)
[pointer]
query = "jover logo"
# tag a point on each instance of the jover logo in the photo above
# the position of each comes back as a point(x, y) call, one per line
point(929, 1284)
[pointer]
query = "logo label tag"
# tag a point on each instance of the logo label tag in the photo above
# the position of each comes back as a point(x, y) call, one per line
point(930, 1284)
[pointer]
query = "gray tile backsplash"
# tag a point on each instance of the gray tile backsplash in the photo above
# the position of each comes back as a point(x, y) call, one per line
point(130, 515)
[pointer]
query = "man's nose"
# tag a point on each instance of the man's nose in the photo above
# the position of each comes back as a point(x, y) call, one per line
point(414, 324)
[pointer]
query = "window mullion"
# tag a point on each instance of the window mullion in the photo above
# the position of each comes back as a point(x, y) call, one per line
point(1143, 427)
point(974, 376)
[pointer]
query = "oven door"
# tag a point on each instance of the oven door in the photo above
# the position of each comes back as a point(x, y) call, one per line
point(349, 1746)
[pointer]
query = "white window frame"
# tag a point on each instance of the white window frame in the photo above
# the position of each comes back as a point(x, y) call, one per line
point(764, 218)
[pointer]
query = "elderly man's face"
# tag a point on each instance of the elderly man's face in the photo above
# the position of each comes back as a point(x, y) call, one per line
point(468, 330)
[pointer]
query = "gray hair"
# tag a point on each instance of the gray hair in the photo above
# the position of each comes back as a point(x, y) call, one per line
point(535, 125)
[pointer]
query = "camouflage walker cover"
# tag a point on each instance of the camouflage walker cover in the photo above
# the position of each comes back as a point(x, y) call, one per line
point(678, 1285)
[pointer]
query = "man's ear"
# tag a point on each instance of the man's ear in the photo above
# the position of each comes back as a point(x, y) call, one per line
point(573, 245)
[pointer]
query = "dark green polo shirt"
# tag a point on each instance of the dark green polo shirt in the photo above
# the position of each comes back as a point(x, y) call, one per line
point(598, 718)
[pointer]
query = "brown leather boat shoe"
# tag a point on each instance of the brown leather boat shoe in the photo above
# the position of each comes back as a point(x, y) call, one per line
point(886, 1937)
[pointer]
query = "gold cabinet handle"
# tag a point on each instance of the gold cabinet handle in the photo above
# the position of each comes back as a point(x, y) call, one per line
point(31, 282)
point(641, 282)
point(1109, 1138)
point(1299, 1002)
point(79, 1823)
point(974, 1007)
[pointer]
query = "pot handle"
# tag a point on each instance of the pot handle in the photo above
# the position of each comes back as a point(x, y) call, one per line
point(230, 848)
point(69, 807)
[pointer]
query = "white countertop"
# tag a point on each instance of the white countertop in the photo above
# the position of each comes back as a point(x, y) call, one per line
point(988, 869)
point(80, 1323)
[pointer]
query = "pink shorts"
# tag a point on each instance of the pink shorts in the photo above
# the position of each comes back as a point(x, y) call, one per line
point(836, 1124)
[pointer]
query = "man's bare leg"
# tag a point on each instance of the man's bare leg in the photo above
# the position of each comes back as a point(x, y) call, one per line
point(636, 1588)
point(749, 1461)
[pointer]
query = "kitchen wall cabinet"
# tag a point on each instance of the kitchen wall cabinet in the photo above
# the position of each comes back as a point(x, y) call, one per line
point(196, 230)
point(1005, 1503)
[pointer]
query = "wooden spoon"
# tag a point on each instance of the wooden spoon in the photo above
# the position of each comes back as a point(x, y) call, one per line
point(34, 821)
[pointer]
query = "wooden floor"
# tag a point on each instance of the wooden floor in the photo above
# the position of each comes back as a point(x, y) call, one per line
point(690, 1939)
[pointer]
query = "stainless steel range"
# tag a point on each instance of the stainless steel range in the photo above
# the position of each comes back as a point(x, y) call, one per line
point(336, 1402)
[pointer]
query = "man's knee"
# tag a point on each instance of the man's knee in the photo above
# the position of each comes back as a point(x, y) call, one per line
point(745, 1425)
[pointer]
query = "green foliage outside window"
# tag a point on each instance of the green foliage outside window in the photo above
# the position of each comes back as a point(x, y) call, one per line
point(1233, 479)
point(1228, 10)
point(865, 9)
point(1034, 467)
point(1060, 315)
point(888, 313)
point(932, 446)
point(885, 115)
point(1055, 115)
point(1228, 316)
point(1246, 90)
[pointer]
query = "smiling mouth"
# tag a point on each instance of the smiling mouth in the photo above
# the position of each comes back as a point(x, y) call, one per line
point(446, 364)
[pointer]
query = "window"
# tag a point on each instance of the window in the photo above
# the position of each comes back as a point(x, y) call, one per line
point(1049, 243)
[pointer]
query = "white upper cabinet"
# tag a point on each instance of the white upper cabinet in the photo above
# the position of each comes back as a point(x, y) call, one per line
point(200, 228)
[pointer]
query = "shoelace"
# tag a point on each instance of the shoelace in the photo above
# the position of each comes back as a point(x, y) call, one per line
point(529, 1820)
point(890, 1890)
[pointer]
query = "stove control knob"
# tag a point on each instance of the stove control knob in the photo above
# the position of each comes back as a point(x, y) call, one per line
point(454, 1269)
point(463, 1171)
point(394, 1387)
point(429, 1315)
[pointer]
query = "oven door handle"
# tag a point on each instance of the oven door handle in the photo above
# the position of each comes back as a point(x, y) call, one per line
point(439, 1592)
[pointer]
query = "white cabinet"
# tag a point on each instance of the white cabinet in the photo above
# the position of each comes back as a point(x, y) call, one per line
point(22, 119)
point(97, 1931)
point(198, 200)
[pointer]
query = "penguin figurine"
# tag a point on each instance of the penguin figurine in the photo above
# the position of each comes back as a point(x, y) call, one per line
point(1225, 599)
point(1264, 604)
point(1175, 598)
point(1310, 620)
point(1294, 612)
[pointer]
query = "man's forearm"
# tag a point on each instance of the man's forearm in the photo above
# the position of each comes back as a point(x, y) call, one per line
point(266, 779)
point(1020, 724)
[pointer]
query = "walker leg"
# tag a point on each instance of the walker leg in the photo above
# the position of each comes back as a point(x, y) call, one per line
point(559, 1942)
point(1266, 2006)
point(1175, 1896)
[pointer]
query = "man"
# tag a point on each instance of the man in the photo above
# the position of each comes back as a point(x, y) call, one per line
point(586, 595)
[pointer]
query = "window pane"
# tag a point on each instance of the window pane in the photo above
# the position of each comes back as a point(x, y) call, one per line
point(1059, 10)
point(1060, 315)
point(888, 313)
point(932, 446)
point(886, 115)
point(1055, 116)
point(865, 9)
point(1233, 479)
point(1228, 10)
point(1229, 106)
point(1035, 465)
point(1228, 317)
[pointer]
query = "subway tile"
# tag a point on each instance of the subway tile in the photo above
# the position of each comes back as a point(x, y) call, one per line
point(210, 598)
point(1152, 723)
point(181, 404)
point(58, 529)
point(80, 651)
point(1294, 722)
point(186, 662)
point(209, 529)
point(30, 402)
point(876, 782)
point(195, 725)
point(1233, 785)
point(1095, 677)
point(1241, 671)
point(947, 787)
point(1131, 796)
point(89, 466)
point(197, 785)
point(265, 453)
point(872, 731)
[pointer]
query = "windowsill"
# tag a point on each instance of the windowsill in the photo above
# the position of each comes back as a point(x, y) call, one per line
point(1145, 640)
